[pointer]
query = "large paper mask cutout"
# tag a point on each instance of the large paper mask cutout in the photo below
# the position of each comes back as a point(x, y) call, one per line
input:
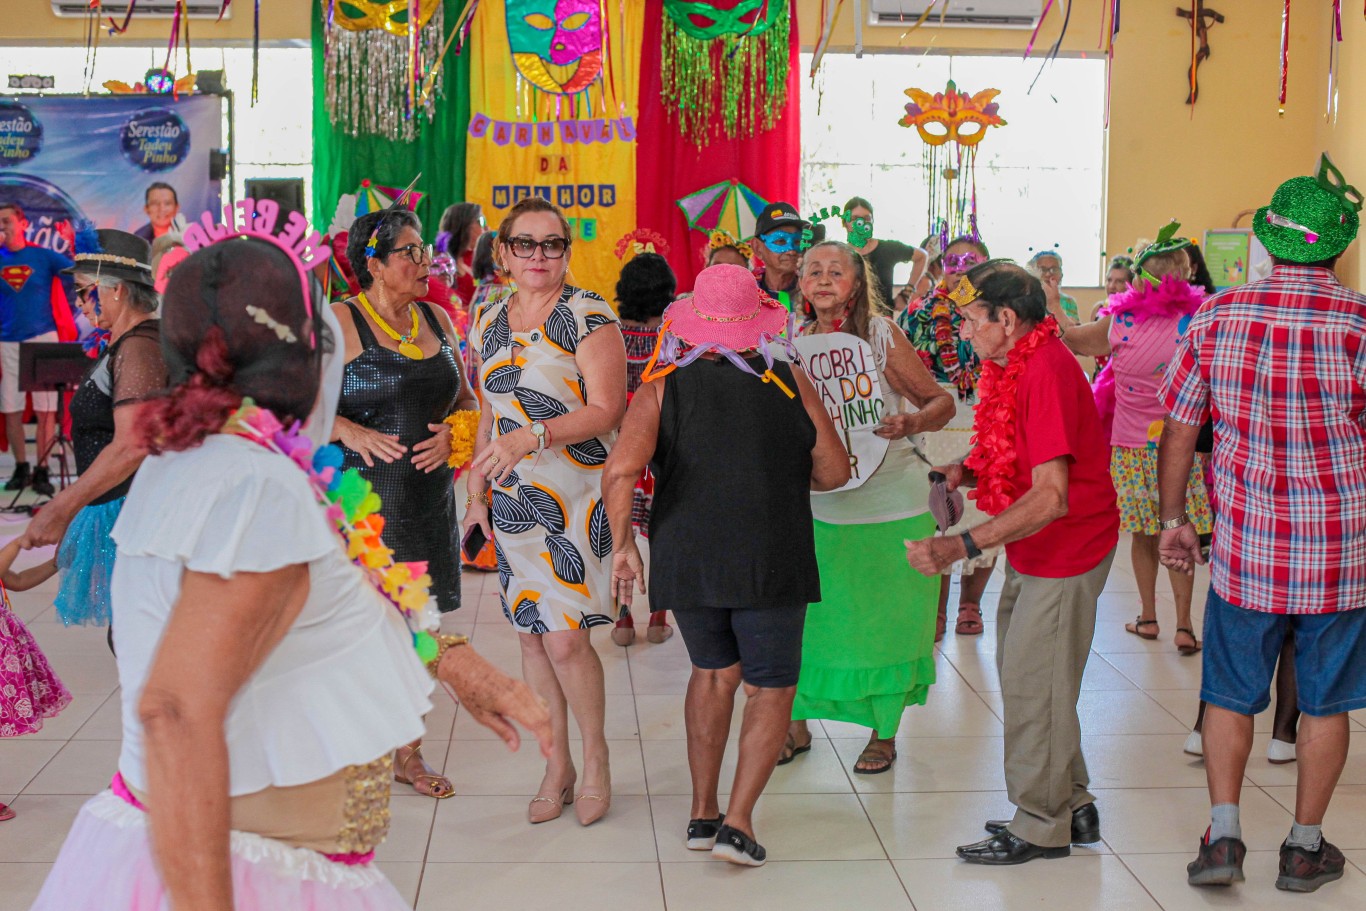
point(706, 21)
point(390, 15)
point(952, 115)
point(556, 44)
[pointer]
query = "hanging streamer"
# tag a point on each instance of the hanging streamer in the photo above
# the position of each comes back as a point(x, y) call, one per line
point(1330, 113)
point(1029, 48)
point(1285, 53)
point(1057, 45)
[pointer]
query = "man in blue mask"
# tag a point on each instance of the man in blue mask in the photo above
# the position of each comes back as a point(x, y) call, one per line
point(778, 245)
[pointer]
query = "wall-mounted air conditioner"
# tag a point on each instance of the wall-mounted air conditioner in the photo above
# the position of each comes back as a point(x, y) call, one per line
point(154, 9)
point(961, 13)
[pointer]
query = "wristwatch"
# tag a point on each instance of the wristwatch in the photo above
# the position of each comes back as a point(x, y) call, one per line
point(970, 546)
point(538, 431)
point(1175, 523)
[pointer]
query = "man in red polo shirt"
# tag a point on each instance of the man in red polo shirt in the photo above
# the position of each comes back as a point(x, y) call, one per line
point(1280, 366)
point(1041, 467)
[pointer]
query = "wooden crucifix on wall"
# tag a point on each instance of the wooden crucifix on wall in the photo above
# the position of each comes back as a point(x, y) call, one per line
point(1201, 18)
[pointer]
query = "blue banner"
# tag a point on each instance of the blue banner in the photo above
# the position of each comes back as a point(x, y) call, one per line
point(68, 157)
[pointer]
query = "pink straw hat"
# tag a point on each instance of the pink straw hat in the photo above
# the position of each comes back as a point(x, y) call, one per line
point(726, 309)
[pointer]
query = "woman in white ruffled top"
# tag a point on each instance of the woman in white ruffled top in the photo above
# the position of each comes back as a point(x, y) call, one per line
point(265, 682)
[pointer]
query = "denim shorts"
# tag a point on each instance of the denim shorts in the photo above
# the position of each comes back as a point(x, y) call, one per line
point(1242, 647)
point(766, 642)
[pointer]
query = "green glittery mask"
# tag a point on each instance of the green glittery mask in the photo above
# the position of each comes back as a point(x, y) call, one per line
point(859, 230)
point(689, 15)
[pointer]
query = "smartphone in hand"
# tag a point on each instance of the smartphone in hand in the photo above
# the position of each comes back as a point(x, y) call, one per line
point(474, 542)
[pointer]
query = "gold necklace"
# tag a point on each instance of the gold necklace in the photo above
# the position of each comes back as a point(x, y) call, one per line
point(405, 342)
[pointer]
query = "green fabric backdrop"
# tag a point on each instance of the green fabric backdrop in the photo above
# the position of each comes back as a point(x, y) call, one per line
point(340, 162)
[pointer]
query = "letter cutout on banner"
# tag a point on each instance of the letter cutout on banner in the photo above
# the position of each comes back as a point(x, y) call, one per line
point(842, 368)
point(557, 81)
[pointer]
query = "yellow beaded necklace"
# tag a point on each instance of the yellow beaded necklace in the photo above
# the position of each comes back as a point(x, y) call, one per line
point(406, 346)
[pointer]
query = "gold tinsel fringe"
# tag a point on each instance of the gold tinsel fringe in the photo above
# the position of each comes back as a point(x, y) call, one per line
point(745, 77)
point(366, 80)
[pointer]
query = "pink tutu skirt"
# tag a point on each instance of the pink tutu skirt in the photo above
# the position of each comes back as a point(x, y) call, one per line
point(29, 690)
point(106, 864)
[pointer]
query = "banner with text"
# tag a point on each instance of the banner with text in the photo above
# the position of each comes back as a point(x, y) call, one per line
point(845, 374)
point(73, 157)
point(553, 102)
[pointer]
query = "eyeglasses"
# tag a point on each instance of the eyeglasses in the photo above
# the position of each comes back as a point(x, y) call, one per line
point(782, 241)
point(551, 247)
point(1050, 270)
point(417, 253)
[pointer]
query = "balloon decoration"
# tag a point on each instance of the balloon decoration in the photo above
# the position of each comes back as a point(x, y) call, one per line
point(376, 56)
point(724, 68)
point(953, 117)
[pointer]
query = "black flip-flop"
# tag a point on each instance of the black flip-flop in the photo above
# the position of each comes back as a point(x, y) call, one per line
point(796, 751)
point(890, 762)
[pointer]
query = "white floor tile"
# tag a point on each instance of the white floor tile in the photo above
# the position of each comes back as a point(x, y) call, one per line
point(22, 883)
point(1076, 883)
point(495, 830)
point(563, 886)
point(818, 885)
point(789, 826)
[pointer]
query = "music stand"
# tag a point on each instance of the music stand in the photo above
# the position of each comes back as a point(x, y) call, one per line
point(53, 367)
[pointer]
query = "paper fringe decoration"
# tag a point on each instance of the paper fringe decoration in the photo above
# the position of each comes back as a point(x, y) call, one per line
point(732, 86)
point(374, 78)
point(463, 426)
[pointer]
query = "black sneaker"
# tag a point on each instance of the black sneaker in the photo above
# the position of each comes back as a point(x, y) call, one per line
point(702, 833)
point(738, 848)
point(1218, 864)
point(42, 483)
point(19, 480)
point(1303, 870)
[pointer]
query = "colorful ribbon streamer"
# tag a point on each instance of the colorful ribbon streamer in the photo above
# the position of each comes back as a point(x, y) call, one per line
point(1285, 53)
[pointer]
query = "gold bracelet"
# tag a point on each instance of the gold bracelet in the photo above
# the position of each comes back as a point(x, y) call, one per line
point(444, 644)
point(482, 496)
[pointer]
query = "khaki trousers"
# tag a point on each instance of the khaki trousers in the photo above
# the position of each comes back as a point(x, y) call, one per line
point(1043, 637)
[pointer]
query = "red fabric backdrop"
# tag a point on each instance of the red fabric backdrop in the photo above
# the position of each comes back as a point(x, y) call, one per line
point(669, 166)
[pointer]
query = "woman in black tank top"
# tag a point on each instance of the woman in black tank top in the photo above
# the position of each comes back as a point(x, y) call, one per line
point(403, 378)
point(737, 440)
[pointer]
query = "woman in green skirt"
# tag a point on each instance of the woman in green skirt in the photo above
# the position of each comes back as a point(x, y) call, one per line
point(868, 648)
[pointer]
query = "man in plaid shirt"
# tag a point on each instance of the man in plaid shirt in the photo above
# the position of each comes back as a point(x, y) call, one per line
point(1280, 366)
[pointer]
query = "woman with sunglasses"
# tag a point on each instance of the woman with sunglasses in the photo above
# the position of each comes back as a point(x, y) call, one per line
point(932, 325)
point(114, 290)
point(403, 379)
point(553, 372)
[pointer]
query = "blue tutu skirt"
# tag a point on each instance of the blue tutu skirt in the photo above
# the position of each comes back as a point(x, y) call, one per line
point(85, 560)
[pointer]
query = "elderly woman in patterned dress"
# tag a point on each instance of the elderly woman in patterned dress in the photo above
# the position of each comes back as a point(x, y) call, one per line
point(553, 375)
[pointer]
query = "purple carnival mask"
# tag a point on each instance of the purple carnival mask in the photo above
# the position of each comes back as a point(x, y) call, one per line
point(962, 262)
point(556, 44)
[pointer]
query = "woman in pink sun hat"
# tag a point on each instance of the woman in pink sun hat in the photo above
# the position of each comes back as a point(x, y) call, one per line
point(737, 438)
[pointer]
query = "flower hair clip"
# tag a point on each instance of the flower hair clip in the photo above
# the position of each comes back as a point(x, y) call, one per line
point(719, 238)
point(283, 332)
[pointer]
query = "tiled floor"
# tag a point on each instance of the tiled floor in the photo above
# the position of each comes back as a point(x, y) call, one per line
point(836, 841)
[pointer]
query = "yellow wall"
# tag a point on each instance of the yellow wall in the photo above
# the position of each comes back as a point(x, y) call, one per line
point(1163, 163)
point(31, 22)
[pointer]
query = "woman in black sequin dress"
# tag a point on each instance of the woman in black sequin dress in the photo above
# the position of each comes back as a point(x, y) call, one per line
point(396, 393)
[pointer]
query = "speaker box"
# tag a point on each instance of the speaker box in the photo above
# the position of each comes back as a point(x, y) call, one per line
point(287, 191)
point(218, 164)
point(209, 82)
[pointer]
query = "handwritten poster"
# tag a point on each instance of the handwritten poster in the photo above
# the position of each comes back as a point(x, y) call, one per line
point(843, 370)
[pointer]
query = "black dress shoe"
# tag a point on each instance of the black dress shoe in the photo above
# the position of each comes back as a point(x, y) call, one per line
point(1004, 849)
point(42, 482)
point(1085, 825)
point(19, 480)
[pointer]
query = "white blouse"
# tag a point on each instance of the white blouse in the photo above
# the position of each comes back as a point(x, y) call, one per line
point(343, 687)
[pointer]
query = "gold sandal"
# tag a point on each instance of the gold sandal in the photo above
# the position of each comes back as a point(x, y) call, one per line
point(426, 783)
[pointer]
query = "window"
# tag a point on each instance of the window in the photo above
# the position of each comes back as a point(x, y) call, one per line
point(274, 138)
point(1040, 178)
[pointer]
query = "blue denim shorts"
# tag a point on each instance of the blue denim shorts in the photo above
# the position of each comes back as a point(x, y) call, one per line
point(1242, 647)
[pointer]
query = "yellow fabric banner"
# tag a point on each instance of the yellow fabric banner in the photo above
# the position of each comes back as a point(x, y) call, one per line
point(554, 86)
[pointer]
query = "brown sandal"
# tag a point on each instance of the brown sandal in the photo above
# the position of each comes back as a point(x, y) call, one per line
point(791, 749)
point(1188, 649)
point(873, 753)
point(969, 619)
point(429, 784)
point(1137, 628)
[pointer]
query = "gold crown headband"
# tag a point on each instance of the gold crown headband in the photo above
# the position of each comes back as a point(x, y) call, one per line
point(965, 293)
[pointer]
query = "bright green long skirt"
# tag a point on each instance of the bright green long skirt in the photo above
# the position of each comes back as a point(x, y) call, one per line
point(868, 646)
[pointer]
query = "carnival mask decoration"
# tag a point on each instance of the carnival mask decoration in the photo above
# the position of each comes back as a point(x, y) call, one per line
point(952, 115)
point(556, 44)
point(391, 16)
point(708, 21)
point(859, 230)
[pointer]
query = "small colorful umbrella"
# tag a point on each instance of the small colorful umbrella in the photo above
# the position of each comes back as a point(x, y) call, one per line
point(730, 206)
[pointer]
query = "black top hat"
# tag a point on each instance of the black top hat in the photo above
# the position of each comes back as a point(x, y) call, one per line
point(121, 256)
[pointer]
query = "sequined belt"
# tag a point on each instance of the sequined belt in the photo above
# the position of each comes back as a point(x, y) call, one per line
point(120, 789)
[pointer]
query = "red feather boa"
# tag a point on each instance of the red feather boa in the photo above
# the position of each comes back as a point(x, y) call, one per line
point(993, 444)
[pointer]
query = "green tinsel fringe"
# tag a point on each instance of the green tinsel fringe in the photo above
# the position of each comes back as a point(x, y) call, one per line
point(746, 77)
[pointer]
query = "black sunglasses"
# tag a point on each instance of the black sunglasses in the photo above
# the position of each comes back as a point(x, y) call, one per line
point(525, 247)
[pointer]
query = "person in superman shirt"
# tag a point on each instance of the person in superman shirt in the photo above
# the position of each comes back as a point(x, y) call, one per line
point(33, 308)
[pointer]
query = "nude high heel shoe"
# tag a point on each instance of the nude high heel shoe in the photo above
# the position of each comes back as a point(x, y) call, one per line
point(543, 808)
point(593, 803)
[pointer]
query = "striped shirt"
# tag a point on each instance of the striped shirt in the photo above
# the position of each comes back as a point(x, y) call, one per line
point(1280, 366)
